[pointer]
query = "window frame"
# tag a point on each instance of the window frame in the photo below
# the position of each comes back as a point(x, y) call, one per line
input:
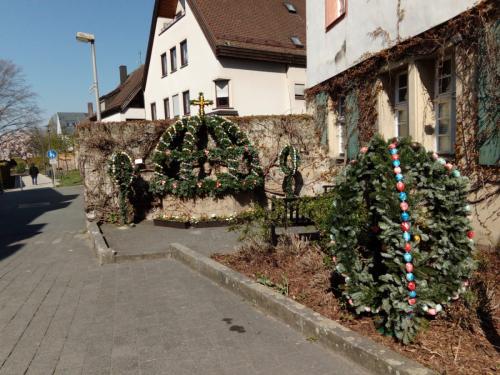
point(184, 56)
point(401, 105)
point(173, 59)
point(186, 106)
point(217, 97)
point(448, 98)
point(154, 116)
point(341, 124)
point(174, 97)
point(166, 108)
point(164, 65)
point(302, 96)
point(330, 23)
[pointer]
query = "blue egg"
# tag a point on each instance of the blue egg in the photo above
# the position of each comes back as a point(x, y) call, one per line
point(394, 151)
point(412, 294)
point(399, 177)
point(456, 173)
point(407, 257)
point(396, 163)
point(403, 196)
point(406, 236)
point(441, 161)
point(410, 277)
point(405, 216)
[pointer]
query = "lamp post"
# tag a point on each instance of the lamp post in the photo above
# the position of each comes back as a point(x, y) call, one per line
point(90, 38)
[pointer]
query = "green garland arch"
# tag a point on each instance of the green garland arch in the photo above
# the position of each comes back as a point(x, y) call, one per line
point(184, 146)
point(372, 254)
point(121, 169)
point(291, 152)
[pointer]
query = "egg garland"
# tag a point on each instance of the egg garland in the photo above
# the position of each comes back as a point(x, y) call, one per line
point(121, 170)
point(397, 216)
point(405, 226)
point(289, 152)
point(183, 150)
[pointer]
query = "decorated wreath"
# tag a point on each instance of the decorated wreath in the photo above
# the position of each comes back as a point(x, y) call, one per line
point(401, 237)
point(288, 155)
point(121, 170)
point(185, 162)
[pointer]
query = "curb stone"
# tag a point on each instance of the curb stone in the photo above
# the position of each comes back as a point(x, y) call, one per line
point(102, 251)
point(373, 356)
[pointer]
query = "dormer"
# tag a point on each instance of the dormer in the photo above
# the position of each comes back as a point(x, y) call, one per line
point(171, 11)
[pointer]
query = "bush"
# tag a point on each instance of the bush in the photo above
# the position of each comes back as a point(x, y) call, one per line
point(20, 167)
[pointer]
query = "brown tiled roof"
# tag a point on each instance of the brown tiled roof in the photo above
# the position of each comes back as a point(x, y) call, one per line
point(247, 29)
point(118, 99)
point(256, 25)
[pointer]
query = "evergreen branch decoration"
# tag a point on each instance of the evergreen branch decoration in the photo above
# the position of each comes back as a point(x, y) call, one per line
point(289, 152)
point(121, 169)
point(183, 150)
point(401, 277)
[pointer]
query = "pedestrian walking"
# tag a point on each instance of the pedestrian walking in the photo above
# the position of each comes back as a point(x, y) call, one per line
point(34, 174)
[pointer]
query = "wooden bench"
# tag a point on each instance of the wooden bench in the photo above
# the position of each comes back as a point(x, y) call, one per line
point(291, 217)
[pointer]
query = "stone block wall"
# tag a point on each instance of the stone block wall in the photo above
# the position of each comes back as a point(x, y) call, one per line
point(269, 134)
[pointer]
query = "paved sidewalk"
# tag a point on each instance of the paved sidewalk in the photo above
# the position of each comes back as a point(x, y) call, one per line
point(60, 313)
point(145, 238)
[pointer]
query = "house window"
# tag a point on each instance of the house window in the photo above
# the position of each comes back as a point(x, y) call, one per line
point(299, 91)
point(164, 66)
point(444, 105)
point(175, 106)
point(222, 93)
point(401, 105)
point(186, 103)
point(173, 59)
point(153, 111)
point(334, 10)
point(341, 125)
point(166, 108)
point(184, 53)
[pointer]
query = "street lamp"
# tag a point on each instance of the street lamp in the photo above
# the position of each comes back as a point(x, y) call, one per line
point(90, 38)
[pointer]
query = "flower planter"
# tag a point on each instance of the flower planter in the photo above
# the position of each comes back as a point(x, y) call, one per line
point(171, 224)
point(211, 224)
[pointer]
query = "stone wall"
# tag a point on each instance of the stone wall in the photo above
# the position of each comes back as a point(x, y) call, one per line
point(269, 134)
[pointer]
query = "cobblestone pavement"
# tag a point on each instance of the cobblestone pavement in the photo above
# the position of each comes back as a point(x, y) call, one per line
point(60, 313)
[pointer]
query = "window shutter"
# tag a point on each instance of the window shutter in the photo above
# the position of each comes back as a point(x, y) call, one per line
point(352, 118)
point(331, 12)
point(488, 94)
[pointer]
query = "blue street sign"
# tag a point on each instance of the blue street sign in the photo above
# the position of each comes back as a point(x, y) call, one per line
point(52, 154)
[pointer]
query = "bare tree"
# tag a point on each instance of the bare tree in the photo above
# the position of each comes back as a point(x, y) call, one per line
point(18, 107)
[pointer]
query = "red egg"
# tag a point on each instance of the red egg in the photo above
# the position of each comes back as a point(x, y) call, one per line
point(392, 145)
point(407, 247)
point(395, 157)
point(412, 301)
point(412, 285)
point(449, 166)
point(409, 267)
point(400, 186)
point(432, 312)
point(397, 170)
point(405, 227)
point(471, 234)
point(404, 207)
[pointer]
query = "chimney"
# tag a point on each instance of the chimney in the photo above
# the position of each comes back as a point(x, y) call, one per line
point(123, 74)
point(90, 109)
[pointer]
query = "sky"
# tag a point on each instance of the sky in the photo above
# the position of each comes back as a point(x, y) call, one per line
point(39, 37)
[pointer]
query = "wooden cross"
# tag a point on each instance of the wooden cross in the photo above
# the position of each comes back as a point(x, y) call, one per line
point(202, 103)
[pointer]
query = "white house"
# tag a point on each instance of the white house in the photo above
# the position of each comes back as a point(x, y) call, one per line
point(249, 57)
point(416, 93)
point(126, 101)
